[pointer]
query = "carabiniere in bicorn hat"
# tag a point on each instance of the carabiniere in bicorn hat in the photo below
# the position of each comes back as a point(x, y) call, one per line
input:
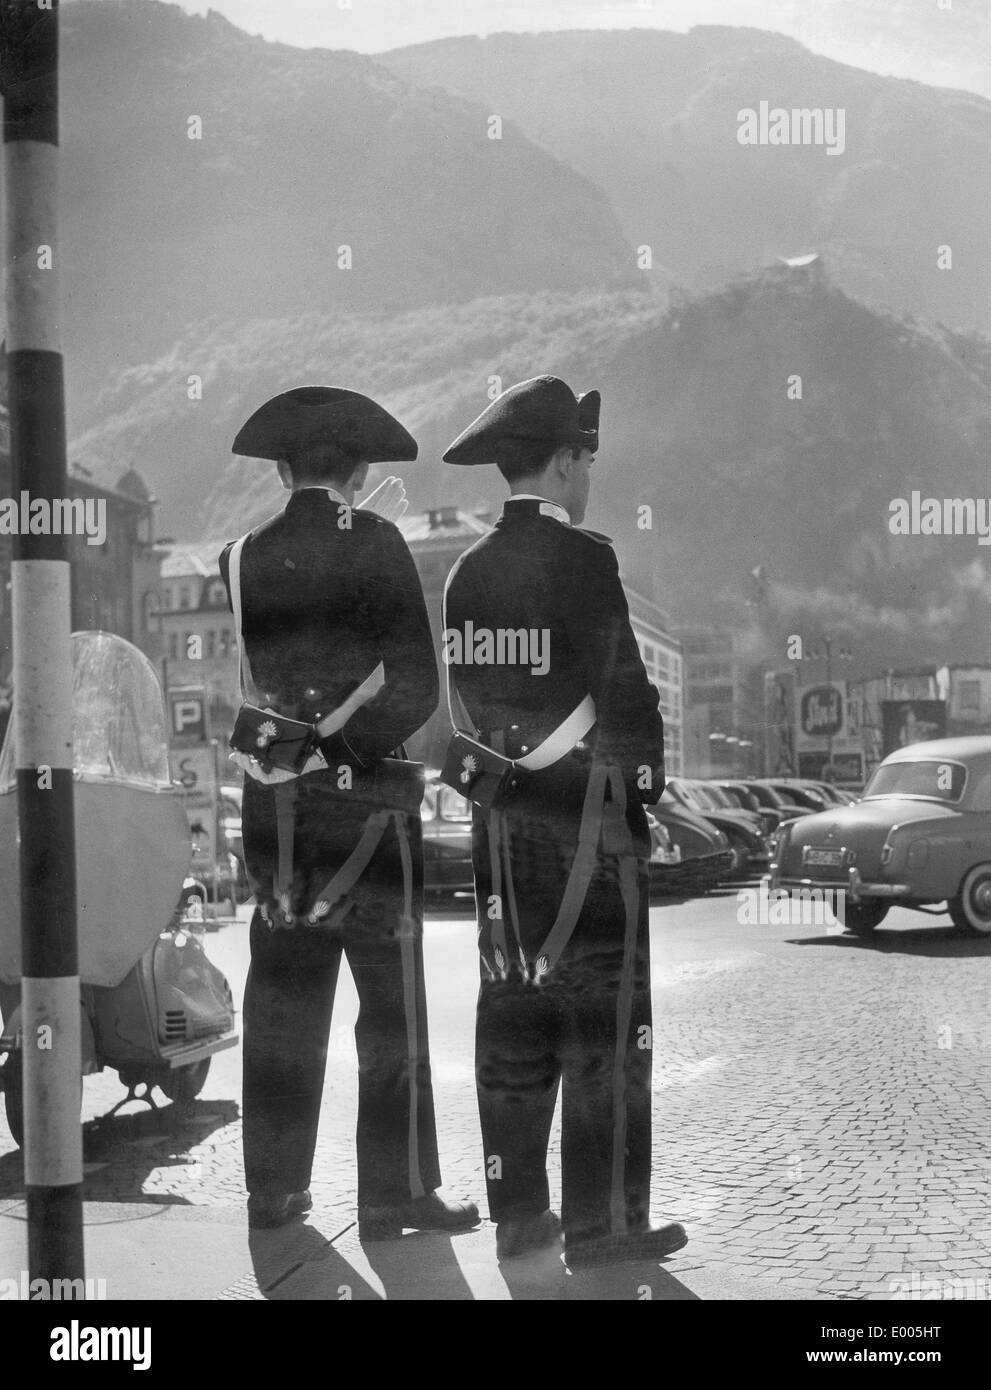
point(542, 409)
point(311, 415)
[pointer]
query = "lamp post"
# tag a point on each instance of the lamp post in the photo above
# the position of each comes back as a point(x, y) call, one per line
point(42, 676)
point(842, 654)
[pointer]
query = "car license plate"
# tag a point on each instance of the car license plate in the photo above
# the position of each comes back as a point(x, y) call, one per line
point(824, 858)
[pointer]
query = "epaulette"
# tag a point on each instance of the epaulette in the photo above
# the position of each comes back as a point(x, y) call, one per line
point(592, 535)
point(360, 511)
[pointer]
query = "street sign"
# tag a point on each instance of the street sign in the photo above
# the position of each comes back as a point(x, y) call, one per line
point(194, 769)
point(187, 715)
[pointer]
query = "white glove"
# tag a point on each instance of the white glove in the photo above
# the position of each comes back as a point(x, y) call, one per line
point(387, 501)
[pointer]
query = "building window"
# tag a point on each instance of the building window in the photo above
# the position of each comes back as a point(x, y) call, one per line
point(970, 699)
point(211, 643)
point(173, 646)
point(711, 694)
point(225, 642)
point(185, 597)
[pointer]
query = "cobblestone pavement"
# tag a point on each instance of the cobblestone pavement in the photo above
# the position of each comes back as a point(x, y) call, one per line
point(822, 1111)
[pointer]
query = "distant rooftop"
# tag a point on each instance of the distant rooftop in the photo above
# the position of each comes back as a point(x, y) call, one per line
point(444, 526)
point(194, 558)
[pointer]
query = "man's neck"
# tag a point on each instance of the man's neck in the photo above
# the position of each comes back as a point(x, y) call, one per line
point(552, 505)
point(341, 492)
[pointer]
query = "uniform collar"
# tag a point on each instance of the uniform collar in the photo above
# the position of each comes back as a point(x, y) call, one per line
point(545, 508)
point(311, 492)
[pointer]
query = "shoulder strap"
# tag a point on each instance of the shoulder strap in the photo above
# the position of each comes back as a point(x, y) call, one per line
point(245, 678)
point(337, 718)
point(458, 714)
point(558, 742)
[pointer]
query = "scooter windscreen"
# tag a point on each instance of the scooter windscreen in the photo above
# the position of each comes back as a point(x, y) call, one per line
point(131, 832)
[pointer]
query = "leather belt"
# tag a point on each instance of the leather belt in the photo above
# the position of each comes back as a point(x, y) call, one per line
point(560, 743)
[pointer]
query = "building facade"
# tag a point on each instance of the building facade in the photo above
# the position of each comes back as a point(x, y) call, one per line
point(193, 630)
point(108, 579)
point(723, 703)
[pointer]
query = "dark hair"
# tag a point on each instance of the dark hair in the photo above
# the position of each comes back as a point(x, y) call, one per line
point(523, 458)
point(322, 463)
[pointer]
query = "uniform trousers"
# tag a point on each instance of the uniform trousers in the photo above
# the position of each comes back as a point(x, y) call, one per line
point(584, 1027)
point(289, 1000)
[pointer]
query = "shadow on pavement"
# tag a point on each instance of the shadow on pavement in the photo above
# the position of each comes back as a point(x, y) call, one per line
point(121, 1151)
point(906, 941)
point(423, 1261)
point(298, 1264)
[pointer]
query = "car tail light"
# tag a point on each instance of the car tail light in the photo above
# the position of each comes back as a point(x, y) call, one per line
point(886, 852)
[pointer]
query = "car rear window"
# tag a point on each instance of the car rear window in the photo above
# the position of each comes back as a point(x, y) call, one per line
point(940, 780)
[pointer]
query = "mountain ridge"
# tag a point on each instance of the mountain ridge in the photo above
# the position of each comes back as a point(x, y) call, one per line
point(660, 138)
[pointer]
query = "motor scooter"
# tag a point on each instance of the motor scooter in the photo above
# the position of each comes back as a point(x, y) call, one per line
point(154, 1008)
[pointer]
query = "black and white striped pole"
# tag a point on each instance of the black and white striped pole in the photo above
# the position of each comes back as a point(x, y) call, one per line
point(42, 647)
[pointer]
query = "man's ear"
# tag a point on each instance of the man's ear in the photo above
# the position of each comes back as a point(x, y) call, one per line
point(562, 461)
point(285, 473)
point(360, 476)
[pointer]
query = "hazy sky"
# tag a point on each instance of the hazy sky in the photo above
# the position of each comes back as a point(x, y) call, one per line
point(920, 39)
point(372, 25)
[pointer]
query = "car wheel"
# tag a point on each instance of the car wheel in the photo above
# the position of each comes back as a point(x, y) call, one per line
point(861, 918)
point(971, 908)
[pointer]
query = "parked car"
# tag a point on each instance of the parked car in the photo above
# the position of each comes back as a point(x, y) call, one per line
point(919, 836)
point(837, 796)
point(743, 797)
point(742, 828)
point(689, 854)
point(704, 860)
point(772, 799)
point(799, 793)
point(447, 871)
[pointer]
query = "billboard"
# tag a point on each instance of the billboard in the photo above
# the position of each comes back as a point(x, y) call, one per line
point(904, 722)
point(806, 725)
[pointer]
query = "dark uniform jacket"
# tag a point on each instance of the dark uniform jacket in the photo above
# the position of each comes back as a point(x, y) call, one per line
point(322, 605)
point(535, 572)
point(323, 602)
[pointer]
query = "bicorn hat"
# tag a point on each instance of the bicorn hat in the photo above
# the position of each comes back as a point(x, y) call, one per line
point(311, 415)
point(544, 409)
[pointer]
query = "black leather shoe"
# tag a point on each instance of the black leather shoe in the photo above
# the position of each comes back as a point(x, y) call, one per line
point(650, 1243)
point(266, 1211)
point(521, 1235)
point(431, 1212)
